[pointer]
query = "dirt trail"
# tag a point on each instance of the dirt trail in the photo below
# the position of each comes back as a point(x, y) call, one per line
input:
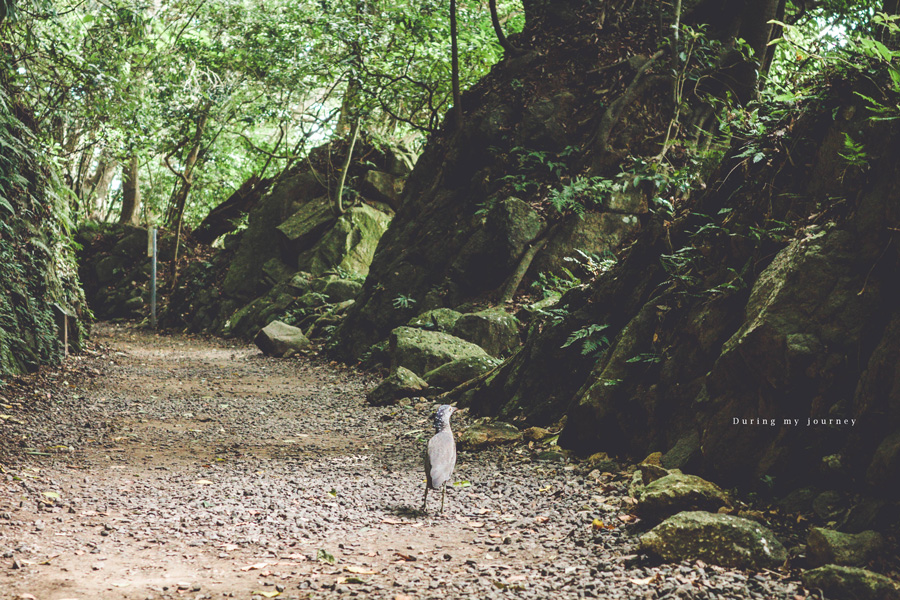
point(194, 468)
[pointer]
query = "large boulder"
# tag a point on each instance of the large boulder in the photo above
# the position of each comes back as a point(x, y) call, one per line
point(850, 582)
point(495, 330)
point(402, 383)
point(422, 351)
point(826, 546)
point(594, 234)
point(677, 492)
point(493, 250)
point(459, 371)
point(336, 289)
point(308, 223)
point(280, 340)
point(259, 243)
point(350, 243)
point(716, 539)
point(438, 319)
point(383, 187)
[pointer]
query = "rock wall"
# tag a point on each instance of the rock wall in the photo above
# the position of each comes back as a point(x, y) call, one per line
point(37, 269)
point(295, 261)
point(476, 201)
point(753, 338)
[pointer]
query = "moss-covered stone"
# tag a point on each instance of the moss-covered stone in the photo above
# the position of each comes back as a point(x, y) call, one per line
point(716, 539)
point(349, 244)
point(259, 242)
point(310, 221)
point(337, 289)
point(280, 340)
point(677, 492)
point(459, 371)
point(851, 549)
point(422, 351)
point(438, 319)
point(850, 582)
point(402, 383)
point(495, 330)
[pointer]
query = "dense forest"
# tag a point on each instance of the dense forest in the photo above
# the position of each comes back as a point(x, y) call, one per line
point(652, 233)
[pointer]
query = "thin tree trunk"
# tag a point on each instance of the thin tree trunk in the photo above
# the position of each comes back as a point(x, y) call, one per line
point(337, 206)
point(131, 192)
point(498, 29)
point(454, 62)
point(98, 190)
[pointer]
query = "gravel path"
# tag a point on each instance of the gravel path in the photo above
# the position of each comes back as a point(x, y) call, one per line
point(183, 467)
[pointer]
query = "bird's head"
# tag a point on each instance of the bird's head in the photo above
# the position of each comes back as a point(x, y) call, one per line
point(442, 416)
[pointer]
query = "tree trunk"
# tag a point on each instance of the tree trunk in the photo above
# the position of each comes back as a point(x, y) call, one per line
point(131, 192)
point(96, 189)
point(454, 64)
point(178, 201)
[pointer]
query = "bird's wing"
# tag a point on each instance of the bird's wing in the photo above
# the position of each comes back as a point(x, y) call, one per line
point(440, 459)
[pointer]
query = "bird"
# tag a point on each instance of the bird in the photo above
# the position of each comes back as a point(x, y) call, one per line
point(440, 456)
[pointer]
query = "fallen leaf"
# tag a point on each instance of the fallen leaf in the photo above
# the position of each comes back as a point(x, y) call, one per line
point(476, 524)
point(271, 594)
point(51, 494)
point(255, 567)
point(203, 482)
point(542, 519)
point(627, 518)
point(597, 524)
point(324, 556)
point(462, 484)
point(644, 581)
point(360, 571)
point(405, 557)
point(388, 521)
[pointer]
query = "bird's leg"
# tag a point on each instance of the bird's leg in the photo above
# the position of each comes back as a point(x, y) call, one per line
point(425, 499)
point(443, 493)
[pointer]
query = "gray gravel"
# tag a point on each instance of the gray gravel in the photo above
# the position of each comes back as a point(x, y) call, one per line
point(169, 466)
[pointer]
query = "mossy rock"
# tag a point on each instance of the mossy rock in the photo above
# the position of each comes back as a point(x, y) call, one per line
point(349, 244)
point(402, 383)
point(851, 582)
point(826, 546)
point(422, 351)
point(308, 223)
point(438, 319)
point(336, 289)
point(459, 371)
point(717, 539)
point(494, 330)
point(280, 340)
point(677, 492)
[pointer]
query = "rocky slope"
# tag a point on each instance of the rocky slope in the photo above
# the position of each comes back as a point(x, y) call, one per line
point(753, 336)
point(38, 285)
point(295, 261)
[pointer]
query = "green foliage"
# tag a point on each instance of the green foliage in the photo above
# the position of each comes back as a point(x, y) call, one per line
point(402, 302)
point(247, 86)
point(592, 339)
point(550, 284)
point(581, 194)
point(37, 265)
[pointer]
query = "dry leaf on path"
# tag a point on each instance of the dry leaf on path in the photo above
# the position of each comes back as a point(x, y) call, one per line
point(360, 571)
point(255, 567)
